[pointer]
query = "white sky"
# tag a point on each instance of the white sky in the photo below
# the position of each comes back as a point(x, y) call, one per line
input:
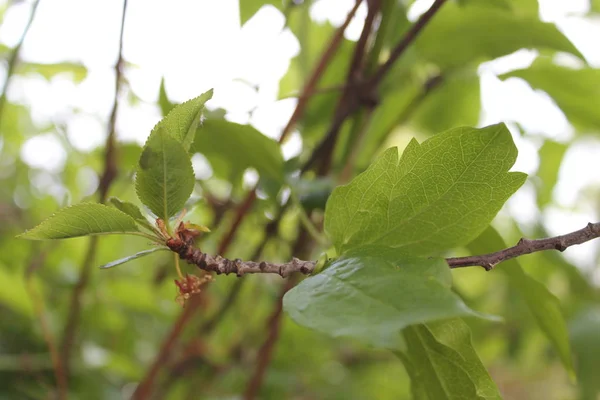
point(197, 45)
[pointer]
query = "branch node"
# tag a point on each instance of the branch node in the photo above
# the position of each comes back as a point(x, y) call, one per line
point(560, 246)
point(488, 266)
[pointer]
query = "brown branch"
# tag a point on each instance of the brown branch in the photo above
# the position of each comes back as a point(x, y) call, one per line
point(408, 38)
point(528, 246)
point(221, 265)
point(108, 176)
point(144, 389)
point(14, 57)
point(265, 352)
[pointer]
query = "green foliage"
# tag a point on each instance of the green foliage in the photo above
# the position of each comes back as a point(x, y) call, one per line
point(443, 363)
point(231, 148)
point(544, 306)
point(551, 155)
point(132, 210)
point(48, 71)
point(373, 299)
point(165, 178)
point(505, 33)
point(182, 121)
point(577, 100)
point(132, 257)
point(82, 220)
point(438, 195)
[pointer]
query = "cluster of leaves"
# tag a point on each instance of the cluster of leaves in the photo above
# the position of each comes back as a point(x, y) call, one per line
point(386, 289)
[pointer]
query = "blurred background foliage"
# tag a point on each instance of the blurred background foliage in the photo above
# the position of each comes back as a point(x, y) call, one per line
point(54, 118)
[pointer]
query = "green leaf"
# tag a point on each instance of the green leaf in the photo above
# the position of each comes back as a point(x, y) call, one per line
point(48, 71)
point(485, 33)
point(443, 364)
point(439, 195)
point(249, 7)
point(163, 100)
point(528, 8)
point(462, 91)
point(578, 100)
point(165, 178)
point(586, 346)
point(183, 120)
point(132, 210)
point(551, 154)
point(82, 220)
point(544, 306)
point(372, 300)
point(132, 257)
point(236, 147)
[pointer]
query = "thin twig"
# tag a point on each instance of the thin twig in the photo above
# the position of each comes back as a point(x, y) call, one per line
point(265, 353)
point(108, 176)
point(408, 38)
point(14, 57)
point(222, 265)
point(144, 389)
point(40, 312)
point(528, 246)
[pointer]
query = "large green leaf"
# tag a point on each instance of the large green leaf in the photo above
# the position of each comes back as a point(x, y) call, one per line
point(82, 220)
point(544, 306)
point(165, 178)
point(183, 120)
point(132, 210)
point(475, 33)
point(372, 299)
point(578, 100)
point(443, 364)
point(236, 147)
point(440, 194)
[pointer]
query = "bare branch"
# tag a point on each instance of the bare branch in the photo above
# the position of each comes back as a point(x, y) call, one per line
point(184, 247)
point(528, 246)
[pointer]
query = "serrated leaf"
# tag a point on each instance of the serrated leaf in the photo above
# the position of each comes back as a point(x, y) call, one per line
point(82, 220)
point(485, 33)
point(584, 330)
point(132, 257)
point(544, 306)
point(443, 364)
point(439, 195)
point(578, 100)
point(372, 299)
point(165, 178)
point(183, 120)
point(237, 147)
point(132, 210)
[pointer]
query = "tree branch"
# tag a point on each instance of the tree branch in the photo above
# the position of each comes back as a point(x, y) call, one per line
point(14, 57)
point(184, 247)
point(108, 176)
point(528, 246)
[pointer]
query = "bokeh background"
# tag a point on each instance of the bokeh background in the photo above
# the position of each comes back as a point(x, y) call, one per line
point(54, 120)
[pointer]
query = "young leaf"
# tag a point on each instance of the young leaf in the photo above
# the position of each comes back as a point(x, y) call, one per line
point(544, 306)
point(440, 194)
point(372, 300)
point(443, 364)
point(165, 178)
point(132, 257)
point(82, 220)
point(238, 147)
point(505, 33)
point(163, 100)
point(183, 120)
point(132, 210)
